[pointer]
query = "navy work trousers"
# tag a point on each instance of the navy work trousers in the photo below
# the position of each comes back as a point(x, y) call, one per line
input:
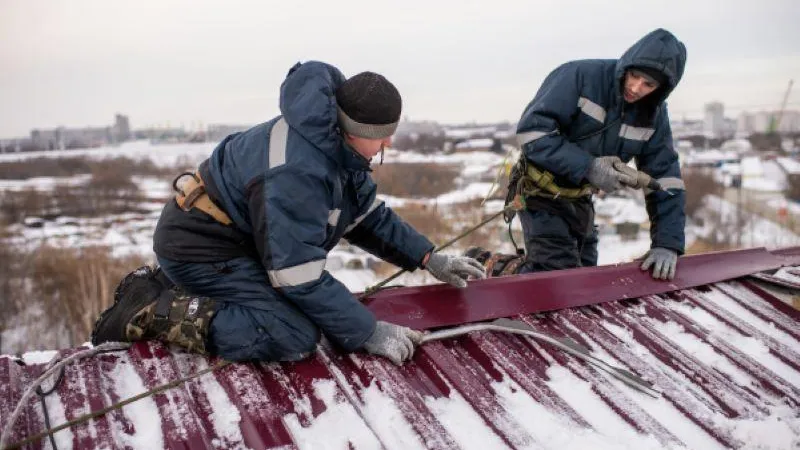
point(551, 245)
point(253, 321)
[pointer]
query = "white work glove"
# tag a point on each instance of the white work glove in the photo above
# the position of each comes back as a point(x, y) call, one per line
point(603, 175)
point(393, 341)
point(664, 262)
point(454, 269)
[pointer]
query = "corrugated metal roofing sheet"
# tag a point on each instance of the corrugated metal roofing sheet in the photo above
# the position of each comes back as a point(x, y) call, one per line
point(726, 357)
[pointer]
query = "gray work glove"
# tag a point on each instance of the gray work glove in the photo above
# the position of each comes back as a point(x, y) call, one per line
point(454, 269)
point(663, 261)
point(393, 342)
point(603, 175)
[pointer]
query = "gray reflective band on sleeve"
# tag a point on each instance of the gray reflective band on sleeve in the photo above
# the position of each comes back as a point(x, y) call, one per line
point(636, 133)
point(529, 136)
point(592, 109)
point(333, 217)
point(277, 143)
point(296, 275)
point(358, 220)
point(668, 183)
point(672, 183)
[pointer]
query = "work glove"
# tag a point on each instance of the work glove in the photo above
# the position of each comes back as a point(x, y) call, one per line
point(393, 342)
point(603, 175)
point(454, 269)
point(663, 261)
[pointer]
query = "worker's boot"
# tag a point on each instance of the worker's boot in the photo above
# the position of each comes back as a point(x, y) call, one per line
point(148, 306)
point(501, 264)
point(498, 264)
point(478, 253)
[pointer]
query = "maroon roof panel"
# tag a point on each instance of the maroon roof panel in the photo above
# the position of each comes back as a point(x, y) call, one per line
point(725, 356)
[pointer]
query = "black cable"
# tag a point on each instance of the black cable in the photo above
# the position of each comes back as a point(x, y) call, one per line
point(511, 236)
point(42, 394)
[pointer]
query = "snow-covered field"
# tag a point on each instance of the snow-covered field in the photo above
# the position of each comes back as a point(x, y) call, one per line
point(132, 233)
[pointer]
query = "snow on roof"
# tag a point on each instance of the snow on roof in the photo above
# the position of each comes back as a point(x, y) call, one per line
point(726, 358)
point(755, 230)
point(739, 145)
point(710, 156)
point(789, 165)
point(466, 133)
point(620, 210)
point(475, 143)
point(751, 166)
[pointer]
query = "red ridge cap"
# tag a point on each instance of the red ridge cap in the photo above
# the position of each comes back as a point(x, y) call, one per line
point(424, 307)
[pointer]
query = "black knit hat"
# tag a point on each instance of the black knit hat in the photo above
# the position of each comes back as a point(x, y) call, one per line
point(654, 74)
point(369, 106)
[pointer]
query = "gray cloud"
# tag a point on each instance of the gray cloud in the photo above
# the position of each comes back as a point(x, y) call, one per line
point(78, 62)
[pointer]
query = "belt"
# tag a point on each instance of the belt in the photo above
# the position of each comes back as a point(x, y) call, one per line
point(193, 195)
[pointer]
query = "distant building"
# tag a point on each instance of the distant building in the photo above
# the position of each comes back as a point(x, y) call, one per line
point(16, 145)
point(66, 138)
point(218, 132)
point(745, 125)
point(409, 128)
point(471, 132)
point(165, 134)
point(474, 145)
point(789, 122)
point(683, 128)
point(714, 120)
point(763, 122)
point(423, 136)
point(122, 128)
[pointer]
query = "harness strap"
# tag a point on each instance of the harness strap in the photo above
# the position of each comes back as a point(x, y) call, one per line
point(544, 180)
point(193, 195)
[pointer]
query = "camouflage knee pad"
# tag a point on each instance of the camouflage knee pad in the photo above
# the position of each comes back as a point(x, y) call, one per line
point(186, 324)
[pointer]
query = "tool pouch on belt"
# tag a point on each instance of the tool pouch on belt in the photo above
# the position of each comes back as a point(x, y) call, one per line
point(192, 194)
point(546, 186)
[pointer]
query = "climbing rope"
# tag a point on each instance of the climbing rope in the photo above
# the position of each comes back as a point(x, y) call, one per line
point(109, 346)
point(102, 348)
point(378, 286)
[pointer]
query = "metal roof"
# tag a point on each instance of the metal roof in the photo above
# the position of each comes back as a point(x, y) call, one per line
point(724, 354)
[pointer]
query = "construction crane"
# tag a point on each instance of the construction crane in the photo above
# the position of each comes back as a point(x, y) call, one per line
point(777, 122)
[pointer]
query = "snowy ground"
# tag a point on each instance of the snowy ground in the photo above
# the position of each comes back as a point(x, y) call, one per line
point(132, 233)
point(721, 224)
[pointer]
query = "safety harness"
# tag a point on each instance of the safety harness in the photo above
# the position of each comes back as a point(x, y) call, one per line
point(525, 181)
point(193, 195)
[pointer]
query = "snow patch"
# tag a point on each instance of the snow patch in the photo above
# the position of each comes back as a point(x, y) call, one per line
point(611, 431)
point(337, 427)
point(462, 423)
point(143, 414)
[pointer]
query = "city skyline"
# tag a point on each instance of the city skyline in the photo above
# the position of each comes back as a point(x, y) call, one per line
point(74, 64)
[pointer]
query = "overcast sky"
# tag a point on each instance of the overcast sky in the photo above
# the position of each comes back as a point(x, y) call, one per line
point(76, 63)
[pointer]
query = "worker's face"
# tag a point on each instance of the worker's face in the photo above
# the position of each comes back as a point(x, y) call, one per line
point(637, 86)
point(367, 148)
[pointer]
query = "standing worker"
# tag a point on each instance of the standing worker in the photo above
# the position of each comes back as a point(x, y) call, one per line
point(589, 118)
point(247, 236)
